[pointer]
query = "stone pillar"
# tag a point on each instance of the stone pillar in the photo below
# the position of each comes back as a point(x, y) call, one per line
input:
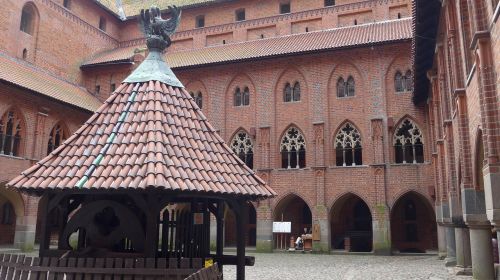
point(482, 252)
point(441, 231)
point(321, 220)
point(451, 259)
point(381, 231)
point(264, 243)
point(24, 237)
point(213, 232)
point(463, 251)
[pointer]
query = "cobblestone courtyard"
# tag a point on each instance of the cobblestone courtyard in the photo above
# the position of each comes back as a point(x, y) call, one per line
point(345, 267)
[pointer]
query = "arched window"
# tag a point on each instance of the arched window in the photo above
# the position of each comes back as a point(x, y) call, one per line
point(291, 94)
point(198, 98)
point(293, 149)
point(28, 18)
point(408, 143)
point(246, 97)
point(287, 93)
point(242, 145)
point(398, 82)
point(237, 97)
point(7, 214)
point(348, 146)
point(10, 133)
point(408, 81)
point(403, 83)
point(345, 88)
point(340, 87)
point(56, 137)
point(350, 86)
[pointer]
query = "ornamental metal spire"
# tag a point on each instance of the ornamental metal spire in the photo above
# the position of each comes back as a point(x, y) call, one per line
point(157, 32)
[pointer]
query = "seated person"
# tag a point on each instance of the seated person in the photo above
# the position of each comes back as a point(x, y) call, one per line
point(299, 244)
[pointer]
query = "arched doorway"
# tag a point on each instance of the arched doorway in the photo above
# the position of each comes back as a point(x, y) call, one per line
point(351, 224)
point(413, 224)
point(293, 209)
point(11, 208)
point(230, 227)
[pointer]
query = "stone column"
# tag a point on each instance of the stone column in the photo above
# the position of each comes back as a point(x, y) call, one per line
point(264, 243)
point(451, 258)
point(24, 237)
point(381, 231)
point(441, 231)
point(463, 251)
point(482, 252)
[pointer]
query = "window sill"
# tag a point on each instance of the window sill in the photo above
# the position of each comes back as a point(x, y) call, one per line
point(292, 169)
point(410, 164)
point(346, 97)
point(404, 92)
point(292, 102)
point(348, 166)
point(12, 157)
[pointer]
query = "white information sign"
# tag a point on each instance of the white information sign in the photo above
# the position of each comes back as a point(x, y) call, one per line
point(282, 227)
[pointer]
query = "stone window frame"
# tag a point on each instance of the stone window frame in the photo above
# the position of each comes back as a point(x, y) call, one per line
point(293, 144)
point(242, 145)
point(346, 88)
point(403, 83)
point(241, 97)
point(348, 140)
point(58, 134)
point(292, 94)
point(12, 128)
point(198, 98)
point(408, 135)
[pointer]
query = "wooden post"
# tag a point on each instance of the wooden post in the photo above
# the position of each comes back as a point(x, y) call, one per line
point(240, 210)
point(44, 224)
point(151, 244)
point(220, 231)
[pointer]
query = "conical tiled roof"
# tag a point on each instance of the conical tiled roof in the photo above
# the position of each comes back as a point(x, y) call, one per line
point(148, 134)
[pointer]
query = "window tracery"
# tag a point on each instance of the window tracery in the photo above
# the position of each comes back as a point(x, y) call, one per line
point(56, 137)
point(242, 145)
point(408, 143)
point(198, 98)
point(348, 146)
point(293, 149)
point(10, 133)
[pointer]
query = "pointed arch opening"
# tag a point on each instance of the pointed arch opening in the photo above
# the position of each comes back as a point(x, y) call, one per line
point(413, 224)
point(408, 143)
point(347, 144)
point(11, 208)
point(242, 145)
point(198, 98)
point(292, 208)
point(351, 224)
point(29, 19)
point(12, 130)
point(58, 134)
point(293, 149)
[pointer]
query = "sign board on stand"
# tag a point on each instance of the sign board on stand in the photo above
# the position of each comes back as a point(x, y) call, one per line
point(282, 227)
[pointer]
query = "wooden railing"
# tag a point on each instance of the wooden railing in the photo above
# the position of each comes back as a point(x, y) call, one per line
point(20, 267)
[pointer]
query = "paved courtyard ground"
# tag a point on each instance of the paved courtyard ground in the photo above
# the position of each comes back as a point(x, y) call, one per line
point(345, 267)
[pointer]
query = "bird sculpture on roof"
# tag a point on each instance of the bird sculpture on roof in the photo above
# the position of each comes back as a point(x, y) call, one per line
point(155, 27)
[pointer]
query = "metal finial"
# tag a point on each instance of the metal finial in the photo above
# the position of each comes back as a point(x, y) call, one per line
point(158, 30)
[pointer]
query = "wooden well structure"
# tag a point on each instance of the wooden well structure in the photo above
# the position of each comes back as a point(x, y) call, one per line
point(141, 177)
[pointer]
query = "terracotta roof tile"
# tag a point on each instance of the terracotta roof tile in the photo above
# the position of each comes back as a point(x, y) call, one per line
point(337, 38)
point(160, 151)
point(33, 78)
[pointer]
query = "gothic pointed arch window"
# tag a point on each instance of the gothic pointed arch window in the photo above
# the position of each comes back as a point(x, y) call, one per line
point(7, 214)
point(346, 88)
point(340, 87)
point(56, 137)
point(242, 145)
point(348, 146)
point(398, 82)
point(11, 128)
point(293, 149)
point(28, 19)
point(237, 97)
point(198, 98)
point(291, 93)
point(408, 143)
point(246, 97)
point(403, 83)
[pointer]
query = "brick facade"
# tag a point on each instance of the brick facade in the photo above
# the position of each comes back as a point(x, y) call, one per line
point(376, 110)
